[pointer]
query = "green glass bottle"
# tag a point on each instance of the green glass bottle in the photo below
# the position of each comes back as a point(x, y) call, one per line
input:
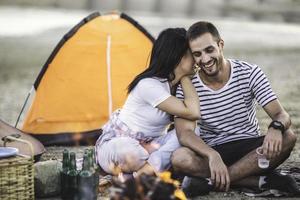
point(96, 168)
point(86, 180)
point(90, 159)
point(63, 174)
point(72, 178)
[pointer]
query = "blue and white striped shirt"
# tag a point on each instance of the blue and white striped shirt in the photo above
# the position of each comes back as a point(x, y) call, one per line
point(229, 114)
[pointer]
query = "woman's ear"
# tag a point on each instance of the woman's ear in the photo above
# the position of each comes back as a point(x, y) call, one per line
point(221, 44)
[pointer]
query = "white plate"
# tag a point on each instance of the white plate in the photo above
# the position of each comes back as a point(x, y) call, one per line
point(8, 151)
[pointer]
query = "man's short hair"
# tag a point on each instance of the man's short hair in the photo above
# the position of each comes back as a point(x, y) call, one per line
point(202, 27)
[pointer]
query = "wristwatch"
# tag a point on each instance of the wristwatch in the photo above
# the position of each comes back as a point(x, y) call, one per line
point(277, 125)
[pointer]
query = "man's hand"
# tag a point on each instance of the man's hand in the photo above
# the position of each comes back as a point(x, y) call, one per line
point(272, 143)
point(218, 172)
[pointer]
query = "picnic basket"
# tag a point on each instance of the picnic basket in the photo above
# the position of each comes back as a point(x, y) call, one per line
point(17, 174)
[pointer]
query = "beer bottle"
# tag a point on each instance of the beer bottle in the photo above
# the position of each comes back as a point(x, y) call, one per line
point(63, 174)
point(96, 167)
point(72, 178)
point(97, 170)
point(95, 175)
point(86, 180)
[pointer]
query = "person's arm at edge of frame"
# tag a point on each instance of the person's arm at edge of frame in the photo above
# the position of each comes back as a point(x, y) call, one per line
point(273, 140)
point(187, 137)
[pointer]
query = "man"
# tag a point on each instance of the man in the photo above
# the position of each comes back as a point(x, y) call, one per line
point(223, 146)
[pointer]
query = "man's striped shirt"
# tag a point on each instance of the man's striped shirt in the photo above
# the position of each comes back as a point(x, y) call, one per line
point(229, 114)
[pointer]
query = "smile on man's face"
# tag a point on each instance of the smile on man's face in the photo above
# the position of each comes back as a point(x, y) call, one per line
point(207, 53)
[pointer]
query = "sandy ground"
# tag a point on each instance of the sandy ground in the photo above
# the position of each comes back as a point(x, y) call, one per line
point(274, 47)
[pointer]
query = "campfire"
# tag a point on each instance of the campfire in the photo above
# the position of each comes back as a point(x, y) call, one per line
point(146, 187)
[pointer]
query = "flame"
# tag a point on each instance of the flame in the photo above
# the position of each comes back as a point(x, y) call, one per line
point(180, 194)
point(76, 138)
point(166, 177)
point(121, 177)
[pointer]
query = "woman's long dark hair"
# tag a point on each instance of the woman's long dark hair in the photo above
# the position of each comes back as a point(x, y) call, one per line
point(166, 54)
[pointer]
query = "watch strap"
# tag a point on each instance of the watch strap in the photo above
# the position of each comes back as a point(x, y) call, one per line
point(277, 125)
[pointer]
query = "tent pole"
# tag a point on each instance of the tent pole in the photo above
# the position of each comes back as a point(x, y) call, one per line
point(23, 107)
point(108, 64)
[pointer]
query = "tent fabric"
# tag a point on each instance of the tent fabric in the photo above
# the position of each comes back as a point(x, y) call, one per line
point(87, 74)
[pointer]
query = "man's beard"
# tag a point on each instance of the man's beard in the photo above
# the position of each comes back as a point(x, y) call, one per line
point(216, 63)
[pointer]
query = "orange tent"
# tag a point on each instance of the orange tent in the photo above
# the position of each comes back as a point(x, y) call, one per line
point(86, 77)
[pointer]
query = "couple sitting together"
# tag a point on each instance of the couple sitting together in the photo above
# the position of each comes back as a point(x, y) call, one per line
point(211, 101)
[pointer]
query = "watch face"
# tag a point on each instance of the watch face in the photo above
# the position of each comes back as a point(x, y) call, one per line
point(278, 124)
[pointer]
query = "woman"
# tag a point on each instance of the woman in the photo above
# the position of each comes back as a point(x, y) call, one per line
point(133, 140)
